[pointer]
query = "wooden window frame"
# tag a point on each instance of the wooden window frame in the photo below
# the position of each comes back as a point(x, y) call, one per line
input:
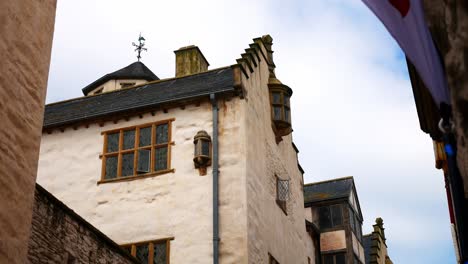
point(150, 243)
point(282, 104)
point(153, 146)
point(334, 256)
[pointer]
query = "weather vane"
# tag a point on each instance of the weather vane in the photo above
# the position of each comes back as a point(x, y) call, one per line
point(139, 46)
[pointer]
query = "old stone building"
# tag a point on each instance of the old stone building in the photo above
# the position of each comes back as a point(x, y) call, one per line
point(199, 168)
point(375, 245)
point(332, 209)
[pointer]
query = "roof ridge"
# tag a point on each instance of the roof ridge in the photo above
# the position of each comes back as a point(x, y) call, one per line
point(331, 180)
point(136, 86)
point(135, 70)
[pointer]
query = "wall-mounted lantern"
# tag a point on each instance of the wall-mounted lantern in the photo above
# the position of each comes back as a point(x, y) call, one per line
point(202, 159)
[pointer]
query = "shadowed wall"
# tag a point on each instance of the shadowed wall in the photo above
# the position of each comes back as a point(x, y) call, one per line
point(26, 28)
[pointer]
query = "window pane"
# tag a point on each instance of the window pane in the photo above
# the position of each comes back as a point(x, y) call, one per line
point(340, 258)
point(145, 136)
point(276, 112)
point(142, 253)
point(127, 164)
point(144, 157)
point(276, 98)
point(337, 216)
point(113, 142)
point(160, 253)
point(328, 259)
point(351, 220)
point(205, 148)
point(287, 115)
point(282, 190)
point(358, 228)
point(161, 134)
point(129, 139)
point(286, 100)
point(128, 249)
point(324, 217)
point(160, 159)
point(111, 167)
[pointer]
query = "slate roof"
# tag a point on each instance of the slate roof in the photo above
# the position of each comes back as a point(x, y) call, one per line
point(138, 98)
point(328, 190)
point(136, 70)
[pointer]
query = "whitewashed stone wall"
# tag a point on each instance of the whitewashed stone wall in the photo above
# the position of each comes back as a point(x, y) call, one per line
point(270, 230)
point(175, 205)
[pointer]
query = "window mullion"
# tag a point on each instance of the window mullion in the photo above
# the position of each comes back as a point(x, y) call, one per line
point(119, 157)
point(169, 140)
point(104, 149)
point(168, 251)
point(153, 150)
point(150, 253)
point(135, 155)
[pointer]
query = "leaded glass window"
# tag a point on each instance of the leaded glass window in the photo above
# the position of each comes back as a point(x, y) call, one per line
point(160, 159)
point(127, 164)
point(160, 253)
point(330, 216)
point(145, 136)
point(324, 217)
point(161, 134)
point(337, 216)
point(111, 167)
point(137, 151)
point(337, 258)
point(129, 139)
point(142, 253)
point(152, 252)
point(113, 142)
point(280, 106)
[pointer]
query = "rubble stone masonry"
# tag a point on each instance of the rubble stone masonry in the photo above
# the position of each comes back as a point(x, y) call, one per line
point(59, 235)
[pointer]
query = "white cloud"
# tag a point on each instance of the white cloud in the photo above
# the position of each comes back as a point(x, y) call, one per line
point(353, 110)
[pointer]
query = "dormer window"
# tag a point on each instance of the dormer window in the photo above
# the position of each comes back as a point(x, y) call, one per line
point(126, 84)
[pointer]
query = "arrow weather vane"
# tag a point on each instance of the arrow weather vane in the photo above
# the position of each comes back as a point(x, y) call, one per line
point(139, 46)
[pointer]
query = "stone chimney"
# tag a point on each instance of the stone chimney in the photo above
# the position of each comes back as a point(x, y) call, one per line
point(190, 60)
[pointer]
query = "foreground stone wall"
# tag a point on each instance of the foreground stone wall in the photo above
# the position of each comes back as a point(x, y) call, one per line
point(448, 21)
point(26, 28)
point(58, 235)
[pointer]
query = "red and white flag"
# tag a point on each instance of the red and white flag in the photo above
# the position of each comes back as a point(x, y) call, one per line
point(405, 21)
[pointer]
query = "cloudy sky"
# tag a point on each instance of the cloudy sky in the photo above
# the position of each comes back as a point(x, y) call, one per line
point(353, 110)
